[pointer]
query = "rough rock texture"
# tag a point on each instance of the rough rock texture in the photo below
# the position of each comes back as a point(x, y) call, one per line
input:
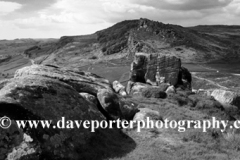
point(34, 97)
point(139, 67)
point(89, 97)
point(79, 80)
point(226, 97)
point(163, 87)
point(110, 103)
point(134, 88)
point(186, 78)
point(119, 88)
point(153, 93)
point(146, 112)
point(115, 106)
point(156, 68)
point(163, 69)
point(171, 89)
point(146, 90)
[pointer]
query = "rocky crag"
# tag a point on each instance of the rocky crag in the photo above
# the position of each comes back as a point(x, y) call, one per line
point(124, 39)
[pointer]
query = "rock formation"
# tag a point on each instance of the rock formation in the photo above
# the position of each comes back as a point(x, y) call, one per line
point(226, 97)
point(79, 80)
point(156, 69)
point(42, 92)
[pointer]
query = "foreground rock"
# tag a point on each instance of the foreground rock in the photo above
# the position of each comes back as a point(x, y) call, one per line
point(50, 93)
point(156, 69)
point(79, 80)
point(146, 90)
point(145, 113)
point(35, 97)
point(115, 106)
point(226, 97)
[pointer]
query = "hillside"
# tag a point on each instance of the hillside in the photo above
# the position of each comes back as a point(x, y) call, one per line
point(11, 57)
point(200, 44)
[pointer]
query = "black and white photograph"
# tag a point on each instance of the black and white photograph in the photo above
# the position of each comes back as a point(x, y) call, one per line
point(119, 79)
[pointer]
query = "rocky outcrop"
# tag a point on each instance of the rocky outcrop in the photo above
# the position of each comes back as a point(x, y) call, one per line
point(34, 97)
point(163, 69)
point(156, 69)
point(79, 80)
point(49, 93)
point(226, 97)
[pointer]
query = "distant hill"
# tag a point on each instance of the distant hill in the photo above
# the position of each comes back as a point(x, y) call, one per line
point(200, 44)
point(11, 54)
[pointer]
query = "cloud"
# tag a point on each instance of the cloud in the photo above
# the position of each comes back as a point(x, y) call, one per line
point(32, 5)
point(55, 18)
point(233, 8)
point(184, 4)
point(8, 7)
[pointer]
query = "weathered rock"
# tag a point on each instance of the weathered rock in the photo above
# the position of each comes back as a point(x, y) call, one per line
point(35, 97)
point(128, 109)
point(146, 90)
point(81, 81)
point(110, 103)
point(186, 78)
point(171, 89)
point(153, 92)
point(129, 86)
point(137, 88)
point(163, 87)
point(226, 97)
point(156, 69)
point(89, 97)
point(139, 68)
point(164, 68)
point(119, 88)
point(115, 106)
point(146, 112)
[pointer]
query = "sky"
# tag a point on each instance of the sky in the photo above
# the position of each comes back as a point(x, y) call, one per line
point(56, 18)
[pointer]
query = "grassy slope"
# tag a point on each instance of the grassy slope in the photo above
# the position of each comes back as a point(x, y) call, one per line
point(162, 144)
point(193, 45)
point(14, 49)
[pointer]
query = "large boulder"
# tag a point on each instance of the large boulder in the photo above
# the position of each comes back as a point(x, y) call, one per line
point(162, 69)
point(34, 97)
point(156, 69)
point(81, 81)
point(226, 97)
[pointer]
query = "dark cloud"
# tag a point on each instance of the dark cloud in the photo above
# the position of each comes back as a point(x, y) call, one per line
point(32, 5)
point(184, 4)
